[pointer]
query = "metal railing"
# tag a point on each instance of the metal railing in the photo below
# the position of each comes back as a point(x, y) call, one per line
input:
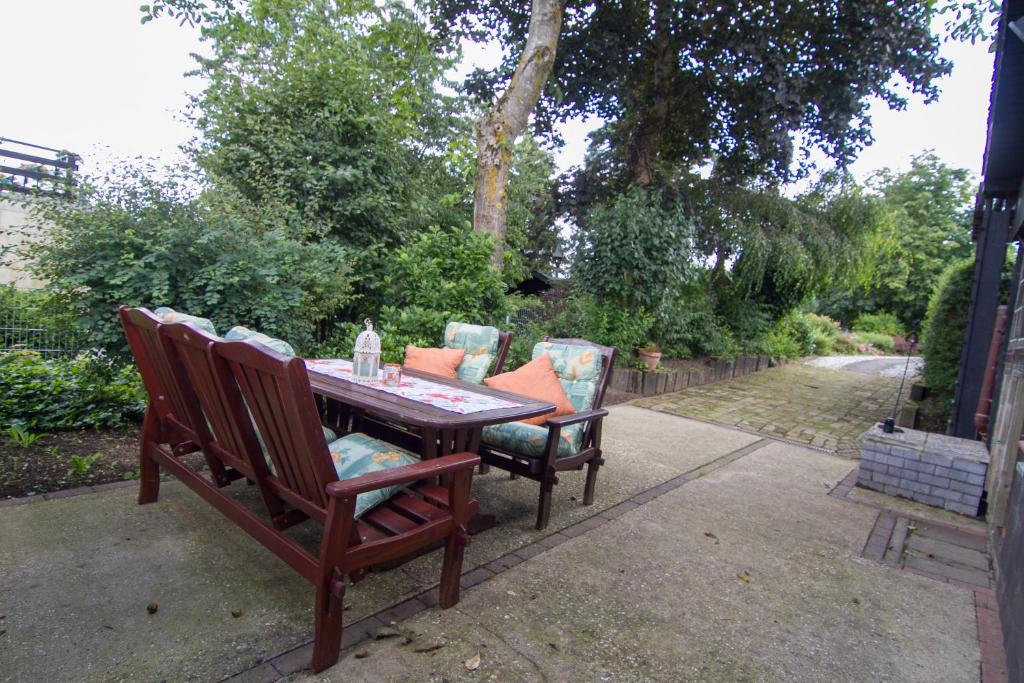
point(31, 169)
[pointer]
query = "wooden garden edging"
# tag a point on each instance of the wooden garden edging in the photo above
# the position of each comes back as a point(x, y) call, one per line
point(664, 381)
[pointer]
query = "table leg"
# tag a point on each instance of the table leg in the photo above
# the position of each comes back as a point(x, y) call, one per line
point(469, 440)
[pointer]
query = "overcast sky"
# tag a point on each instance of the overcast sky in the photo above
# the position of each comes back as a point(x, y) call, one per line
point(88, 77)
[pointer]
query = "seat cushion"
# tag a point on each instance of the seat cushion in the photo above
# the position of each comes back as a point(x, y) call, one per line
point(536, 379)
point(442, 362)
point(357, 454)
point(238, 332)
point(578, 368)
point(480, 342)
point(530, 440)
point(167, 314)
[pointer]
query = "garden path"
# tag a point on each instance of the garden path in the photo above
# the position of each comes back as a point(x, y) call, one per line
point(695, 563)
point(824, 408)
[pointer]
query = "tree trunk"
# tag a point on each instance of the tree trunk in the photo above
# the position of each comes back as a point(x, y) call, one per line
point(642, 150)
point(497, 131)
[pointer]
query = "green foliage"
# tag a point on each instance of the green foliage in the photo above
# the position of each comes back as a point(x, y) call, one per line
point(924, 227)
point(531, 235)
point(793, 336)
point(694, 327)
point(826, 333)
point(942, 336)
point(439, 275)
point(331, 107)
point(84, 392)
point(683, 82)
point(881, 323)
point(32, 309)
point(141, 241)
point(634, 252)
point(81, 464)
point(587, 317)
point(879, 340)
point(20, 436)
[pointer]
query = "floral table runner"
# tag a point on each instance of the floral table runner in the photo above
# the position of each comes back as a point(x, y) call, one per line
point(443, 396)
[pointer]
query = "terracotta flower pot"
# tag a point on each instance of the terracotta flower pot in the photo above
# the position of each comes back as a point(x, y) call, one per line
point(652, 358)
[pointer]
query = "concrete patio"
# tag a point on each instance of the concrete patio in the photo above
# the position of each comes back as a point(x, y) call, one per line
point(711, 554)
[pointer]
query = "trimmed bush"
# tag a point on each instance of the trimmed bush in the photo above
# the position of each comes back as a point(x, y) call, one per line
point(942, 337)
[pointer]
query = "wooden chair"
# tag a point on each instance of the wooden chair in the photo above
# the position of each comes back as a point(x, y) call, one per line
point(228, 379)
point(541, 453)
point(504, 342)
point(172, 415)
point(476, 340)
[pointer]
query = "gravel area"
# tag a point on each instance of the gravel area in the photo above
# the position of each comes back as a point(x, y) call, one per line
point(884, 366)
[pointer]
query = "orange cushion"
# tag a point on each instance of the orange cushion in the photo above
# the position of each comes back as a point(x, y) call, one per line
point(443, 362)
point(536, 379)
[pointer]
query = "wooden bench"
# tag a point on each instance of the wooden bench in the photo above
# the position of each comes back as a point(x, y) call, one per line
point(213, 395)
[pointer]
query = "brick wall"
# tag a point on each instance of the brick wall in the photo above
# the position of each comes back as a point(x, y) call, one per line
point(934, 469)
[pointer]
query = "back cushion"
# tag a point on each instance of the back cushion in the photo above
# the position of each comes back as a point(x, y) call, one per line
point(167, 314)
point(578, 368)
point(480, 343)
point(245, 334)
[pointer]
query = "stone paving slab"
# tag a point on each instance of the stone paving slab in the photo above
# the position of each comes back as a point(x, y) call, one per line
point(77, 573)
point(821, 408)
point(750, 573)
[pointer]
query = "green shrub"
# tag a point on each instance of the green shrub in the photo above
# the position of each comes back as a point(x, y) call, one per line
point(826, 332)
point(880, 341)
point(438, 276)
point(84, 392)
point(942, 335)
point(693, 327)
point(844, 344)
point(879, 323)
point(140, 241)
point(31, 309)
point(634, 251)
point(792, 336)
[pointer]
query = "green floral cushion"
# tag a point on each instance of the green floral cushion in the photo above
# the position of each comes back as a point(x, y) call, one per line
point(169, 315)
point(481, 345)
point(358, 454)
point(238, 332)
point(578, 369)
point(530, 440)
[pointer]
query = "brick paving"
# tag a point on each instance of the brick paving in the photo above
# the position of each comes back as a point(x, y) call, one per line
point(820, 408)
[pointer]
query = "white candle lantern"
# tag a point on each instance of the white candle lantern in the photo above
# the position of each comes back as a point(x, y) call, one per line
point(366, 356)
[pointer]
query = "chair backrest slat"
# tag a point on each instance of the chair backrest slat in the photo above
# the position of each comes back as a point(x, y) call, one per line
point(189, 357)
point(175, 405)
point(276, 389)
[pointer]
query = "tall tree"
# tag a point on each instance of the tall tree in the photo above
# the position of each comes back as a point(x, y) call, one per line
point(925, 229)
point(331, 106)
point(498, 129)
point(740, 82)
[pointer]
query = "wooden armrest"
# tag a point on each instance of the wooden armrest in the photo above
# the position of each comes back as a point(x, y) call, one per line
point(435, 467)
point(566, 420)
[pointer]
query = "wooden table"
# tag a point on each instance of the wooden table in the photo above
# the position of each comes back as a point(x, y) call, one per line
point(418, 425)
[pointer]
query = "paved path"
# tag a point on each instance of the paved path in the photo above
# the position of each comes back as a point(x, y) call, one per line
point(709, 555)
point(822, 408)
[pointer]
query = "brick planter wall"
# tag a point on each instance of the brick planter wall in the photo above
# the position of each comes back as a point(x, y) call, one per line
point(934, 469)
point(652, 383)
